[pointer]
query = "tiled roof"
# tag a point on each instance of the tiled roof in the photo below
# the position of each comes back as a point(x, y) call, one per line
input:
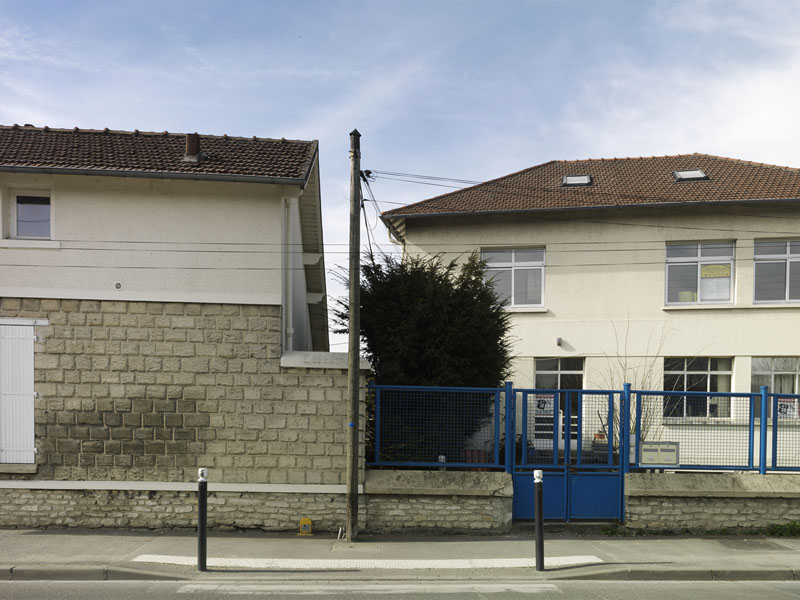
point(615, 182)
point(64, 150)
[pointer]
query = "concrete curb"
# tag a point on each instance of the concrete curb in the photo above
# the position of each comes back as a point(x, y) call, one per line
point(110, 573)
point(624, 574)
point(82, 573)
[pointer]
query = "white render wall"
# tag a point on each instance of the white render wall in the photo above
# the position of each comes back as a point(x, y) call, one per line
point(604, 290)
point(160, 239)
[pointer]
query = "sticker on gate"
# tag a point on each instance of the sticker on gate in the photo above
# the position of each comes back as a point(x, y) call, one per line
point(543, 405)
point(787, 408)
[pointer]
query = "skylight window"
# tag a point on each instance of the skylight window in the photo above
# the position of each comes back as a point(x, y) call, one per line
point(573, 180)
point(689, 175)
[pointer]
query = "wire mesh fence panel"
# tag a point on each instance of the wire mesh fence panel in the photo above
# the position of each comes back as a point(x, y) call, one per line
point(541, 428)
point(597, 439)
point(704, 430)
point(438, 426)
point(784, 424)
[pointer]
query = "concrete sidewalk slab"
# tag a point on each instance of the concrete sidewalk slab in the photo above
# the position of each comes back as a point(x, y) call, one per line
point(106, 554)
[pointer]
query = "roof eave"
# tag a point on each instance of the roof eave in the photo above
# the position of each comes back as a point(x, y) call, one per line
point(299, 181)
point(575, 208)
point(395, 223)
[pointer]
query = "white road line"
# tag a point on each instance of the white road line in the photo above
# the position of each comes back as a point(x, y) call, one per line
point(344, 564)
point(384, 589)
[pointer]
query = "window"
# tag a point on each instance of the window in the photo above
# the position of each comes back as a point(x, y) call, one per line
point(697, 374)
point(780, 375)
point(777, 271)
point(576, 180)
point(32, 215)
point(690, 175)
point(698, 273)
point(16, 393)
point(516, 274)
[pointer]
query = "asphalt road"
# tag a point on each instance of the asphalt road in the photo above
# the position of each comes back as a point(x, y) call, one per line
point(410, 590)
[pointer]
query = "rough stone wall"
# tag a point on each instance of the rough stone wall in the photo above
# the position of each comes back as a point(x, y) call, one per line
point(702, 514)
point(279, 511)
point(453, 514)
point(151, 391)
point(157, 509)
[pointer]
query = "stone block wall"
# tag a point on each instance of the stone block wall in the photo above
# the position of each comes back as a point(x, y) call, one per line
point(155, 509)
point(709, 501)
point(149, 391)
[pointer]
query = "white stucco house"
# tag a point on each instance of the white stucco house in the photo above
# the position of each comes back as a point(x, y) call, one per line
point(673, 272)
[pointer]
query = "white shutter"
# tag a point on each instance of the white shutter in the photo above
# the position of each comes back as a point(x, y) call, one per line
point(16, 394)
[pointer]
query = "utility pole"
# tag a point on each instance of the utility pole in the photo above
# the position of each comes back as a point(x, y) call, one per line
point(354, 356)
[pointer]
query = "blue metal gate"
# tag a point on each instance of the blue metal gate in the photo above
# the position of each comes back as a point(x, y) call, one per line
point(577, 438)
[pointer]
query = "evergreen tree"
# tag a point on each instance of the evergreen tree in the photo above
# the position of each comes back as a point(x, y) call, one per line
point(426, 323)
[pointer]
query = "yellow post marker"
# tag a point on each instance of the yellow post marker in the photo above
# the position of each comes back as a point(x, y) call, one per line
point(305, 527)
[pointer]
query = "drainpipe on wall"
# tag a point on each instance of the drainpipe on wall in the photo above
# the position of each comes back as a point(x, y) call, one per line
point(288, 330)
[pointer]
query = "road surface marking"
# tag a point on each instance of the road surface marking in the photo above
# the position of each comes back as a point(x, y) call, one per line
point(300, 564)
point(331, 588)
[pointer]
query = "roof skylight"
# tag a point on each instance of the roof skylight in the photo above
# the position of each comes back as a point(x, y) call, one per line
point(689, 175)
point(572, 180)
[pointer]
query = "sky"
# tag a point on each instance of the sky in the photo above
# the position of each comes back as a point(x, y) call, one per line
point(467, 89)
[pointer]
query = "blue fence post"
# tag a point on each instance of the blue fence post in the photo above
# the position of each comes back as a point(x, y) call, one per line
point(510, 438)
point(639, 409)
point(377, 422)
point(751, 430)
point(625, 430)
point(762, 432)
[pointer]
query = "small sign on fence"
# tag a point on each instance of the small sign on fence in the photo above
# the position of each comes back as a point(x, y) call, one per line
point(543, 405)
point(787, 408)
point(658, 454)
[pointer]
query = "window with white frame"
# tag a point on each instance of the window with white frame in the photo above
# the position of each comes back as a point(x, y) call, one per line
point(780, 374)
point(517, 275)
point(697, 374)
point(699, 273)
point(31, 215)
point(777, 271)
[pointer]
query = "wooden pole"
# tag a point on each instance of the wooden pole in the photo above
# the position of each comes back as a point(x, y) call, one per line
point(354, 356)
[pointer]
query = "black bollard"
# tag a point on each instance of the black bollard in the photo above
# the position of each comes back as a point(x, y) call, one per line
point(539, 517)
point(202, 515)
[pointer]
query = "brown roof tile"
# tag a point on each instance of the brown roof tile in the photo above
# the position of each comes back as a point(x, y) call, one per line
point(28, 147)
point(616, 182)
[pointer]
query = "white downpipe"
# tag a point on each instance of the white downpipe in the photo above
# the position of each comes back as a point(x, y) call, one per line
point(288, 299)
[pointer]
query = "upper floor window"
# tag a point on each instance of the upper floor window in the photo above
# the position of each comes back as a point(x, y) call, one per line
point(31, 215)
point(698, 273)
point(777, 271)
point(517, 275)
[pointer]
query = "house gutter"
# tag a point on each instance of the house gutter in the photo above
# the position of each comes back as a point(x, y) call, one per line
point(162, 174)
point(386, 216)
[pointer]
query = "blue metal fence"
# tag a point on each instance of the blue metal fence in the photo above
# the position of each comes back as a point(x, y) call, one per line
point(439, 426)
point(470, 427)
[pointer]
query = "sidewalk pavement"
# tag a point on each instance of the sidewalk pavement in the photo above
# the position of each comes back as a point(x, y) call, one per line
point(80, 554)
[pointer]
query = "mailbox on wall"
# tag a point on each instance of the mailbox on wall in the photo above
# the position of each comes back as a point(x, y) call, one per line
point(659, 454)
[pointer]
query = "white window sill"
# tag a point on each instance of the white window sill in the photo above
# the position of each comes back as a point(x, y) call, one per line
point(728, 306)
point(700, 306)
point(31, 244)
point(525, 309)
point(18, 468)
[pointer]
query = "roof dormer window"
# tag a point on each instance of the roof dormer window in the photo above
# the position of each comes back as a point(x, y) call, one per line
point(576, 180)
point(690, 175)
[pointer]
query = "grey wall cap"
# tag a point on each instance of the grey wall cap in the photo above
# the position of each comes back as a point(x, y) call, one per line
point(318, 360)
point(713, 485)
point(439, 483)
